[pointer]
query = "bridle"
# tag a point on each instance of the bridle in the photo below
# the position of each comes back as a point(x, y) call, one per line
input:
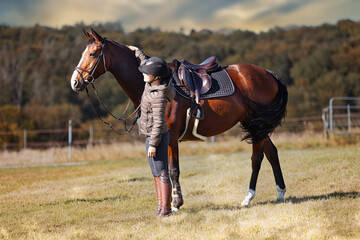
point(90, 80)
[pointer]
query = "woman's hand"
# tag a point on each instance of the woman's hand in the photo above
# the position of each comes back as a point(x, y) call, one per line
point(151, 151)
point(133, 48)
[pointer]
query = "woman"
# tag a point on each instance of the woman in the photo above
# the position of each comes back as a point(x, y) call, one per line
point(158, 90)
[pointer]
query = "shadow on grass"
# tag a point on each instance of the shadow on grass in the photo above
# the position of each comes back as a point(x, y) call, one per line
point(339, 195)
point(88, 200)
point(291, 199)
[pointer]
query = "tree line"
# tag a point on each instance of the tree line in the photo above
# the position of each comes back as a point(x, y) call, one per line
point(36, 64)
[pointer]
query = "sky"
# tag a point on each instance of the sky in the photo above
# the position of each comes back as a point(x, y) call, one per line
point(173, 15)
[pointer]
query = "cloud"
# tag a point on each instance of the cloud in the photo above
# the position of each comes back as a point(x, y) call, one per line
point(66, 12)
point(255, 15)
point(260, 15)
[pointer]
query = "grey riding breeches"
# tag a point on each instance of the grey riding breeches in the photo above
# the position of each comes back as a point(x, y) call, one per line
point(160, 161)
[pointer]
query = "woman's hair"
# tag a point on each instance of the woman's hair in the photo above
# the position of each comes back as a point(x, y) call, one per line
point(165, 80)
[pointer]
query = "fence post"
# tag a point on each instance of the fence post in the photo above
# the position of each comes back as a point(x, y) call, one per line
point(325, 119)
point(331, 115)
point(349, 118)
point(70, 140)
point(25, 139)
point(91, 136)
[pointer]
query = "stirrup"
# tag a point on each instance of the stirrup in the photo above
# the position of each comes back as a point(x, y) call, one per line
point(197, 111)
point(194, 130)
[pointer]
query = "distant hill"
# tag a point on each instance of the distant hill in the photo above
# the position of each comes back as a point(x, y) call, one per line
point(36, 64)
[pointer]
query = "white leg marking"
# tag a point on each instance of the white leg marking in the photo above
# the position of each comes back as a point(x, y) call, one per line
point(281, 194)
point(249, 196)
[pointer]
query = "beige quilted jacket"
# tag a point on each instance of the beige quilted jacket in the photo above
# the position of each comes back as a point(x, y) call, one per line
point(153, 106)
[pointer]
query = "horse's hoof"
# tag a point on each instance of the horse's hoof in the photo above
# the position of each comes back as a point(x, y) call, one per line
point(249, 196)
point(280, 198)
point(281, 194)
point(175, 209)
point(178, 202)
point(245, 203)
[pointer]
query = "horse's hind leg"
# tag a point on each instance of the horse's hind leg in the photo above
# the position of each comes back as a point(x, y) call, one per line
point(256, 159)
point(272, 155)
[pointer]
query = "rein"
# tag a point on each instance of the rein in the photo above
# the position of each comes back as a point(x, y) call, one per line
point(127, 130)
point(90, 80)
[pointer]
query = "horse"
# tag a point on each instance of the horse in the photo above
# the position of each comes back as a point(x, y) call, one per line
point(258, 103)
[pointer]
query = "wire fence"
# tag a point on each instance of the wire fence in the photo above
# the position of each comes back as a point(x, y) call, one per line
point(91, 136)
point(48, 138)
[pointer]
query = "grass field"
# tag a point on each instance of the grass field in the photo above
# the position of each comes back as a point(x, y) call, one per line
point(115, 198)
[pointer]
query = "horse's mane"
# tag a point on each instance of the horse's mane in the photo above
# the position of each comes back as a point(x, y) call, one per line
point(116, 43)
point(92, 41)
point(120, 45)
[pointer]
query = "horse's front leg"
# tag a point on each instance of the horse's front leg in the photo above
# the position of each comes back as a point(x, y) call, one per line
point(175, 171)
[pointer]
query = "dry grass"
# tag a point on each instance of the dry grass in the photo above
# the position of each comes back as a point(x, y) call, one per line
point(115, 198)
point(124, 150)
point(127, 150)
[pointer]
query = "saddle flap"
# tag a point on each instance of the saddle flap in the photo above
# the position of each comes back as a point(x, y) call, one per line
point(206, 85)
point(196, 77)
point(185, 78)
point(202, 81)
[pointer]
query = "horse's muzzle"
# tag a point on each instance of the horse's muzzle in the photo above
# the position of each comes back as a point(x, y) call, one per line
point(77, 86)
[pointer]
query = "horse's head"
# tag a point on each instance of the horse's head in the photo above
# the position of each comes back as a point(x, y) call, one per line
point(92, 63)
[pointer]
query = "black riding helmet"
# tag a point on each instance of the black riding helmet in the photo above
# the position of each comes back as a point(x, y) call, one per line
point(155, 66)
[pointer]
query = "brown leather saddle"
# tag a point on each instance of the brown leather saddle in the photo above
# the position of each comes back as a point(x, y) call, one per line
point(196, 79)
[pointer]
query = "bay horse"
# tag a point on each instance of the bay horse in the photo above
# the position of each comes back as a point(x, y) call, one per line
point(258, 103)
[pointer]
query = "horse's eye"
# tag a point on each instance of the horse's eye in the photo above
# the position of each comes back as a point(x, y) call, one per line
point(92, 54)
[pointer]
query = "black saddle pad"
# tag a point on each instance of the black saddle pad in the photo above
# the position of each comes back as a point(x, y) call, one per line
point(221, 86)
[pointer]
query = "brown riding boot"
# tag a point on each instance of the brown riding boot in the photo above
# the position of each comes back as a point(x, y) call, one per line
point(165, 189)
point(158, 194)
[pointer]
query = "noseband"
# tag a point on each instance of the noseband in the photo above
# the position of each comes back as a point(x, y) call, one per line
point(90, 78)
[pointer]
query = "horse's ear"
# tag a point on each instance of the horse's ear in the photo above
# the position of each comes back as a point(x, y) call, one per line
point(96, 35)
point(87, 35)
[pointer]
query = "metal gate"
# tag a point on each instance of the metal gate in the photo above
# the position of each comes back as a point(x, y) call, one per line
point(342, 116)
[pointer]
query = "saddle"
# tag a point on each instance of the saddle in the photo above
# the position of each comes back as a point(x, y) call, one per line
point(196, 78)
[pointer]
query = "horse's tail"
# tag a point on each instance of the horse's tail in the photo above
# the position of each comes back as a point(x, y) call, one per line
point(262, 119)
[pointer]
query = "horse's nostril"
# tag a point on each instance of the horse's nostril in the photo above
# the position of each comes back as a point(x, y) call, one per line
point(76, 83)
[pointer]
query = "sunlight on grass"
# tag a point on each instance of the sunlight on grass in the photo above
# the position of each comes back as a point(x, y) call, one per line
point(115, 198)
point(135, 150)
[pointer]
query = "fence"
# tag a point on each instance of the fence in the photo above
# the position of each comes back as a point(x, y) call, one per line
point(99, 134)
point(342, 116)
point(48, 138)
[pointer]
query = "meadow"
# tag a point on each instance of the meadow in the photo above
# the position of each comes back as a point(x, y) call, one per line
point(108, 193)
